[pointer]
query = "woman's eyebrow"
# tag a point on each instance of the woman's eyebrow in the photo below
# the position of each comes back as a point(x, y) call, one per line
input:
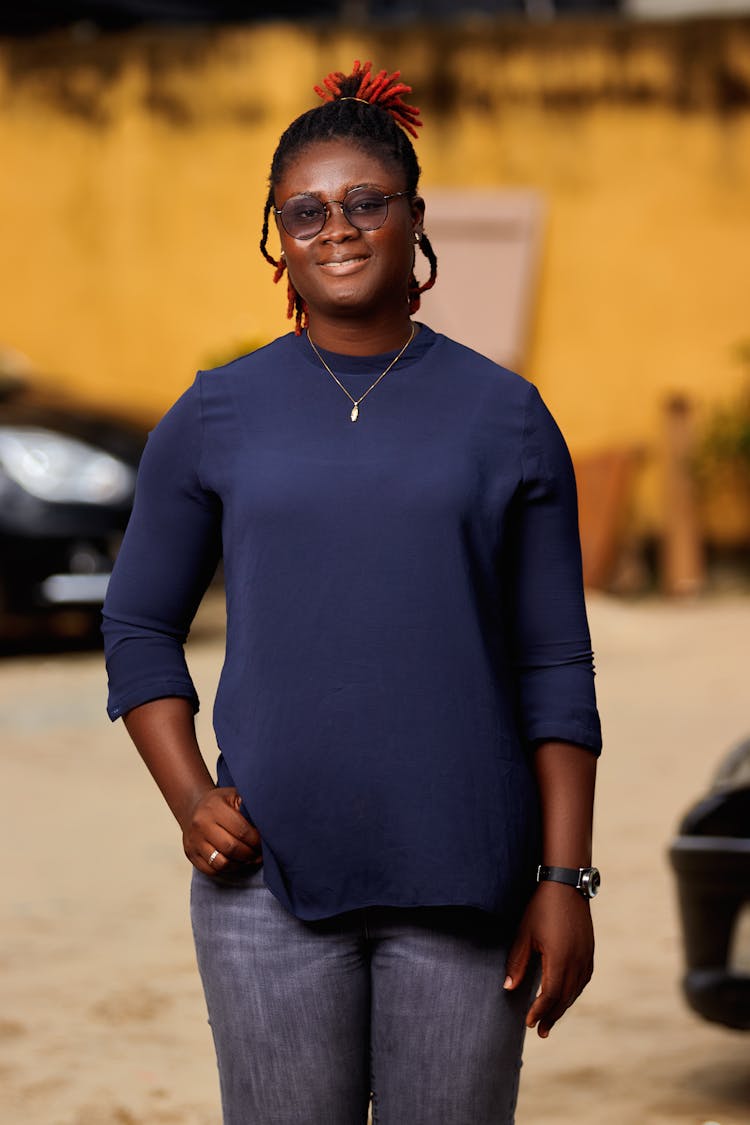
point(323, 198)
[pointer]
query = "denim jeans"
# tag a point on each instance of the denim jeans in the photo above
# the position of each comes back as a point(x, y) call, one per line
point(309, 1018)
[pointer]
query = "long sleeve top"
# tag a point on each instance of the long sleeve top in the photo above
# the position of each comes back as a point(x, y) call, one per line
point(405, 614)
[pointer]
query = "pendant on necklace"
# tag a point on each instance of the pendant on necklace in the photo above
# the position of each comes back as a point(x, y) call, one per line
point(355, 413)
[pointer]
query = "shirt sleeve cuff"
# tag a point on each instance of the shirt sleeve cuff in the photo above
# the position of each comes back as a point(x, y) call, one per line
point(147, 692)
point(581, 734)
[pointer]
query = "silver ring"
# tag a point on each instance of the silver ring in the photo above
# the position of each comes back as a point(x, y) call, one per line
point(213, 855)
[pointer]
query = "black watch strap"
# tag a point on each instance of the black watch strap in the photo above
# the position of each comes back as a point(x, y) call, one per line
point(586, 880)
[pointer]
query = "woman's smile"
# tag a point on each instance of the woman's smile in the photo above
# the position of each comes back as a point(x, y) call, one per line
point(344, 264)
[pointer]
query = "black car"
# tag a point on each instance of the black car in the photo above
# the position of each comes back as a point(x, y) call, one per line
point(67, 475)
point(711, 860)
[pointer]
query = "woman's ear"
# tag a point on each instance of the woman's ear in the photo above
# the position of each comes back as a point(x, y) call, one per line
point(417, 214)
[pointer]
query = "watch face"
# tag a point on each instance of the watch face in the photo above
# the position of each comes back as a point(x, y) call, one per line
point(590, 882)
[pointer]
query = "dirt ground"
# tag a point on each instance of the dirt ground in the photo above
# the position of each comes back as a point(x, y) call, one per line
point(101, 1014)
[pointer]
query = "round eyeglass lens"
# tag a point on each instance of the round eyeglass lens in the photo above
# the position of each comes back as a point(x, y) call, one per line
point(304, 216)
point(365, 208)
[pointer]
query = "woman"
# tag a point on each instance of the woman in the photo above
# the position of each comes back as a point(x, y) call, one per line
point(406, 713)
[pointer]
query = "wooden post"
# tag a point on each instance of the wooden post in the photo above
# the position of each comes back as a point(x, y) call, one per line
point(605, 484)
point(683, 567)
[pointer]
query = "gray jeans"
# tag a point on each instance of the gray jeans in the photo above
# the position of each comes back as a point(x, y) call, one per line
point(309, 1017)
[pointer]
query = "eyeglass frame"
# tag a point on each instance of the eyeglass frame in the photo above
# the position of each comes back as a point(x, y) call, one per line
point(326, 203)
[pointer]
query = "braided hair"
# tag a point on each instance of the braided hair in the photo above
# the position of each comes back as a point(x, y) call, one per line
point(368, 110)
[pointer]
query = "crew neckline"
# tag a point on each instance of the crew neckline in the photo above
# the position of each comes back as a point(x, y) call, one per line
point(345, 365)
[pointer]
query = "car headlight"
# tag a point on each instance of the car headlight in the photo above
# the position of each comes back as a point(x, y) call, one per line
point(61, 469)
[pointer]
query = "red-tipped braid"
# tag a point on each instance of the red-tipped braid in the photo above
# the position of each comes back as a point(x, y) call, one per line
point(382, 89)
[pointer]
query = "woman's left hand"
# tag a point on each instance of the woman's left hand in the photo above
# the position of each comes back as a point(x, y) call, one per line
point(557, 925)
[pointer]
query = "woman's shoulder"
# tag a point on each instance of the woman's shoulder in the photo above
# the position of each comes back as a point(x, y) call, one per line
point(259, 360)
point(475, 365)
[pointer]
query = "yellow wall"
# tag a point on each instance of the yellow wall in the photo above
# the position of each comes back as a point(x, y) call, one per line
point(133, 179)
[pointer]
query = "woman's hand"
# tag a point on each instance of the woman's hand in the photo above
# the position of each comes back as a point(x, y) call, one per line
point(557, 926)
point(164, 733)
point(215, 825)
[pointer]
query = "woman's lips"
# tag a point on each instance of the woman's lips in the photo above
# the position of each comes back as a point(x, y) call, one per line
point(342, 267)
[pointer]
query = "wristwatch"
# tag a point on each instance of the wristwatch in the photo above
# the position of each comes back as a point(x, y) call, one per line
point(586, 880)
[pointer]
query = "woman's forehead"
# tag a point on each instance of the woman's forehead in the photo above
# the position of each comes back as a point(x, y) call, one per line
point(337, 163)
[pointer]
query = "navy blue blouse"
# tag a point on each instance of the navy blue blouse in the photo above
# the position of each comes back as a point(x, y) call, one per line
point(405, 615)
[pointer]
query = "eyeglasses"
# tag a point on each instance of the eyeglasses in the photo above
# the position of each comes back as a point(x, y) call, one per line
point(304, 216)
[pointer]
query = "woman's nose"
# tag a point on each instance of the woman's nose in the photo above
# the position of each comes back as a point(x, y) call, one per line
point(337, 225)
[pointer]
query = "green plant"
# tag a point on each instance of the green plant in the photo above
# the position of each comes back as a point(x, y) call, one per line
point(725, 448)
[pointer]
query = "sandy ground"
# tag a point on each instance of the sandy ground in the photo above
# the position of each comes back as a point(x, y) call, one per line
point(101, 1015)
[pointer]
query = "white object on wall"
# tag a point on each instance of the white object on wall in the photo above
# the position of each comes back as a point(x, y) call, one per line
point(488, 245)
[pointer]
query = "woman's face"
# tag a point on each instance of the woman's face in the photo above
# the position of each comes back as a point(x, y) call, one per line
point(343, 271)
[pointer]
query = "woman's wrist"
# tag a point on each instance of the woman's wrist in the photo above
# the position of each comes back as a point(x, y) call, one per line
point(164, 734)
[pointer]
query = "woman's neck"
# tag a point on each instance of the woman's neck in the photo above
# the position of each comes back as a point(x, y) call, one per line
point(357, 337)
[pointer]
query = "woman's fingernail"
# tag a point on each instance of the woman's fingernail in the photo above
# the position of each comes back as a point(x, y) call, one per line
point(508, 982)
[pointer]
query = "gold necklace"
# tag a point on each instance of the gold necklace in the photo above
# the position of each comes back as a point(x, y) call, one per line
point(356, 401)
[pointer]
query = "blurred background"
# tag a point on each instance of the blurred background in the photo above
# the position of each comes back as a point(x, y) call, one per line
point(615, 138)
point(586, 169)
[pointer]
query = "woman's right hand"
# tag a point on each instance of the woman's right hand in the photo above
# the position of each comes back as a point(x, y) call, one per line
point(210, 817)
point(215, 827)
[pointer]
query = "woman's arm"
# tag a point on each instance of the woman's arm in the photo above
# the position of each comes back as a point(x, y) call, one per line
point(168, 556)
point(163, 731)
point(557, 922)
point(557, 709)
